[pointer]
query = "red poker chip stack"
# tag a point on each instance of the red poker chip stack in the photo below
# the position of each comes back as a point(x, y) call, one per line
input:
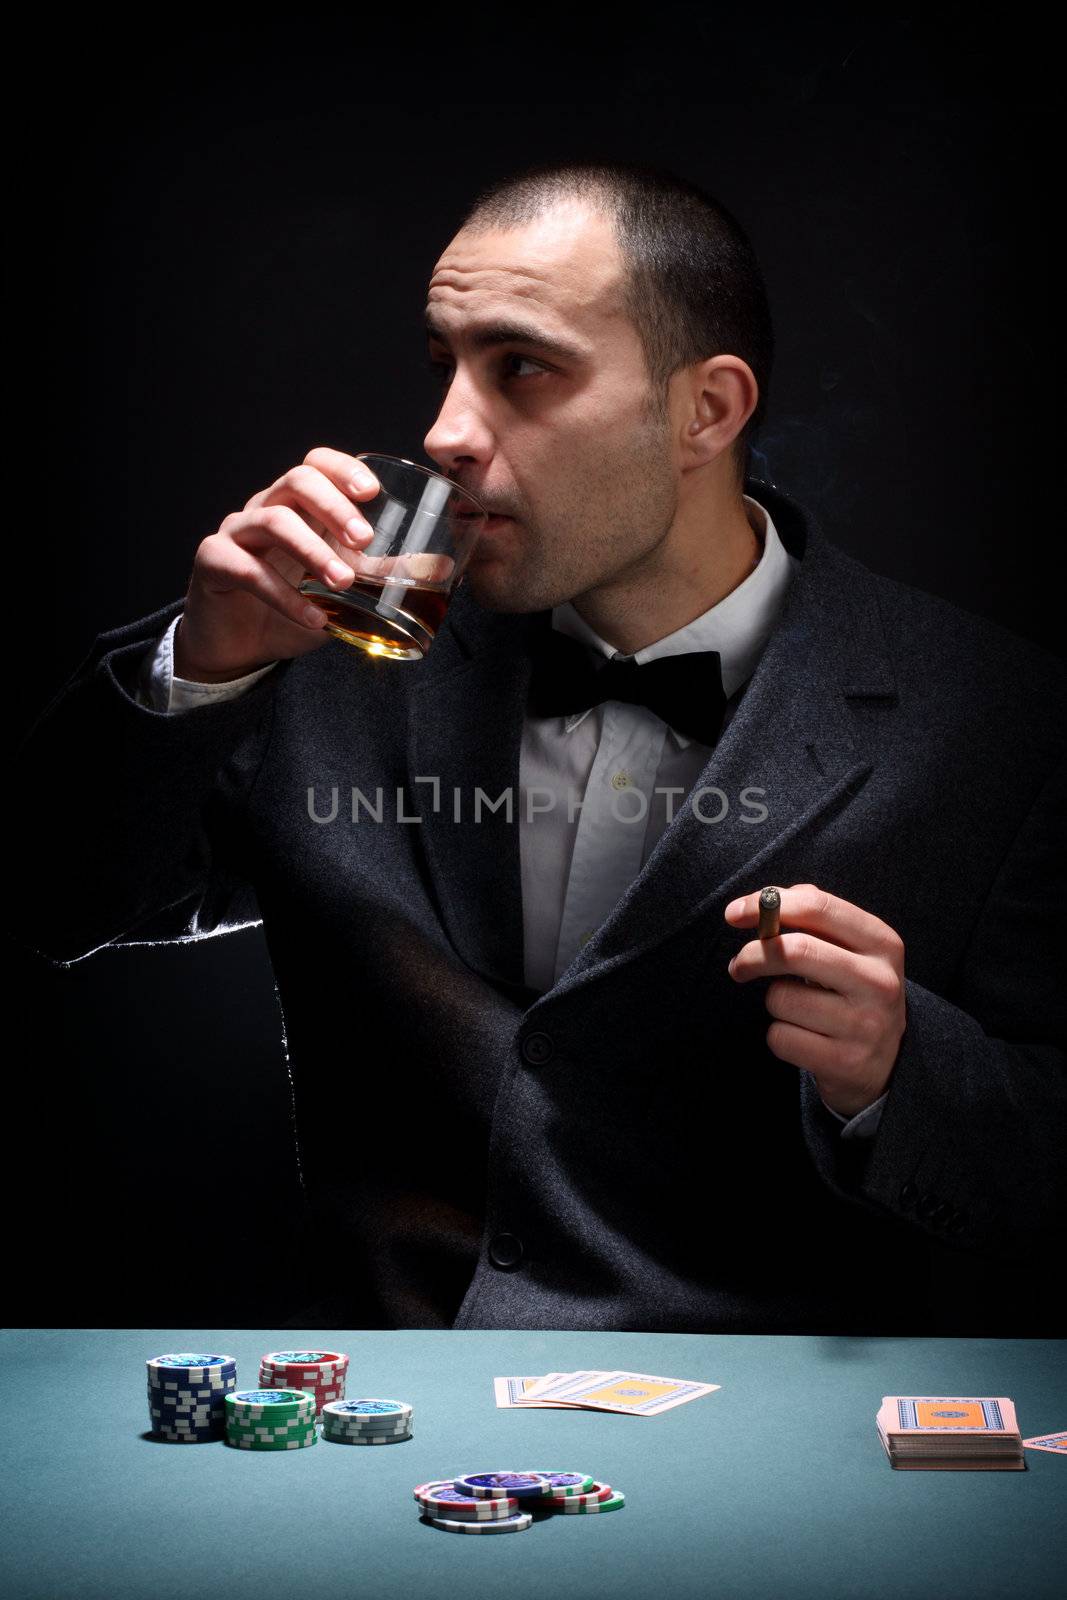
point(321, 1373)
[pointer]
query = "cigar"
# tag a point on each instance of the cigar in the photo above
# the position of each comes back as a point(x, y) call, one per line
point(770, 909)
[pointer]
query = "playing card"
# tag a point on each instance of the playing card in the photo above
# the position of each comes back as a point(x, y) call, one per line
point(1054, 1443)
point(634, 1393)
point(543, 1388)
point(511, 1393)
point(912, 1415)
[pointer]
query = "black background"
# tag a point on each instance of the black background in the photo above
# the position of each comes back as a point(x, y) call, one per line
point(227, 240)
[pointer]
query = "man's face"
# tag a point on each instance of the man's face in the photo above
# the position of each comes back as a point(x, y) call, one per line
point(560, 441)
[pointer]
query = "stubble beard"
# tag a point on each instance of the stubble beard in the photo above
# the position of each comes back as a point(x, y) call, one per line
point(647, 509)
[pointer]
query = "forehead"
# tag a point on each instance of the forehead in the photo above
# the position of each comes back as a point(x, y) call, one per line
point(564, 265)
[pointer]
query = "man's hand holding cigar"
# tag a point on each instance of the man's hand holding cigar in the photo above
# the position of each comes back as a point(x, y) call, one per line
point(845, 1023)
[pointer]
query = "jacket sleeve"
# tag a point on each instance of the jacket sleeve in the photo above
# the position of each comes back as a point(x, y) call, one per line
point(970, 1146)
point(129, 830)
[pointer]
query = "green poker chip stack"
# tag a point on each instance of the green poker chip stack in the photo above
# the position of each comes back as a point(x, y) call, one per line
point(270, 1419)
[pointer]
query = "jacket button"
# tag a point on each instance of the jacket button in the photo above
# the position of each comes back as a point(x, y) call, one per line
point(908, 1195)
point(941, 1213)
point(928, 1204)
point(955, 1224)
point(537, 1048)
point(505, 1251)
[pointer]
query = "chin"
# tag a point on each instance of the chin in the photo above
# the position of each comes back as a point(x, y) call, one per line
point(494, 589)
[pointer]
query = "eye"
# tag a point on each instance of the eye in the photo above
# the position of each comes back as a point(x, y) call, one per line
point(525, 361)
point(444, 367)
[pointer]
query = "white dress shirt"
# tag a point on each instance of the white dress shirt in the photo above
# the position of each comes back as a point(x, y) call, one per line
point(597, 788)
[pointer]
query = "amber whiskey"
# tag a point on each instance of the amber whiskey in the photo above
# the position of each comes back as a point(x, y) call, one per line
point(397, 620)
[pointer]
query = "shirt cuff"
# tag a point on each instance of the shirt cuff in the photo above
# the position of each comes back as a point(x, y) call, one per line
point(864, 1125)
point(160, 690)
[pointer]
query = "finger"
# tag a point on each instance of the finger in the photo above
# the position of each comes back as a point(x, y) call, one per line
point(306, 489)
point(290, 568)
point(814, 1052)
point(816, 1009)
point(229, 566)
point(350, 474)
point(806, 906)
point(279, 527)
point(800, 955)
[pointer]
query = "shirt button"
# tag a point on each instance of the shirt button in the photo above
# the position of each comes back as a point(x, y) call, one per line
point(620, 780)
point(537, 1048)
point(505, 1251)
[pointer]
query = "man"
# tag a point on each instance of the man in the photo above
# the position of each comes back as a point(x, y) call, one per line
point(592, 1097)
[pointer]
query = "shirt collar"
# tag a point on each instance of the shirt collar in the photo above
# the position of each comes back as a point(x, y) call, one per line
point(738, 626)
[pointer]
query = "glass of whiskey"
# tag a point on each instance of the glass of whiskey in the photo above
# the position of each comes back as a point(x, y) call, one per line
point(425, 527)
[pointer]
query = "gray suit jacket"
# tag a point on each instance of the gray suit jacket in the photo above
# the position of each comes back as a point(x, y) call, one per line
point(622, 1151)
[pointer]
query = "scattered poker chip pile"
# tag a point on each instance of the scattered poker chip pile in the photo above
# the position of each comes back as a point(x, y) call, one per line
point(367, 1421)
point(510, 1502)
point(270, 1419)
point(187, 1394)
point(318, 1372)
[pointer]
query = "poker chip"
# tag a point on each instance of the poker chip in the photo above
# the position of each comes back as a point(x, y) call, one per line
point(305, 1360)
point(568, 1483)
point(297, 1441)
point(570, 1502)
point(518, 1522)
point(353, 1430)
point(441, 1498)
point(261, 1445)
point(270, 1419)
point(367, 1421)
point(184, 1438)
point(251, 1404)
point(496, 1485)
point(368, 1428)
point(506, 1502)
point(372, 1410)
point(186, 1396)
point(321, 1373)
point(613, 1501)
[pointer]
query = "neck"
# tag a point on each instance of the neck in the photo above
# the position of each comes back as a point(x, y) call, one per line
point(689, 572)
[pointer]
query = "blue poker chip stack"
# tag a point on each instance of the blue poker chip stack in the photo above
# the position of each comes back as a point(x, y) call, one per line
point(187, 1396)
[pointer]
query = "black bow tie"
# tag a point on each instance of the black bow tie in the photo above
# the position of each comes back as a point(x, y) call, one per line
point(685, 690)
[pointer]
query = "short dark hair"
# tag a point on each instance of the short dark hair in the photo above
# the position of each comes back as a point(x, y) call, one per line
point(693, 287)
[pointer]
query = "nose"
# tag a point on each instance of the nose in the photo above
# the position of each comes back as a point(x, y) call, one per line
point(461, 433)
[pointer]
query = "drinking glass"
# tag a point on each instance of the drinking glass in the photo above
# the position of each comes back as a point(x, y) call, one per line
point(425, 527)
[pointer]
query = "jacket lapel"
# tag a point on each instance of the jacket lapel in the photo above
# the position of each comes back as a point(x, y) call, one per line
point(792, 736)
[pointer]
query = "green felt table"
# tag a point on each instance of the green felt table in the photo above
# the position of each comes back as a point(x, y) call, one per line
point(775, 1486)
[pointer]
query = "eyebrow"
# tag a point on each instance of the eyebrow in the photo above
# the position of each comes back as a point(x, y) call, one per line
point(496, 333)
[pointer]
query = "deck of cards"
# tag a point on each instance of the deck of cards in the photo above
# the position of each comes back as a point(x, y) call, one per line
point(930, 1433)
point(634, 1393)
